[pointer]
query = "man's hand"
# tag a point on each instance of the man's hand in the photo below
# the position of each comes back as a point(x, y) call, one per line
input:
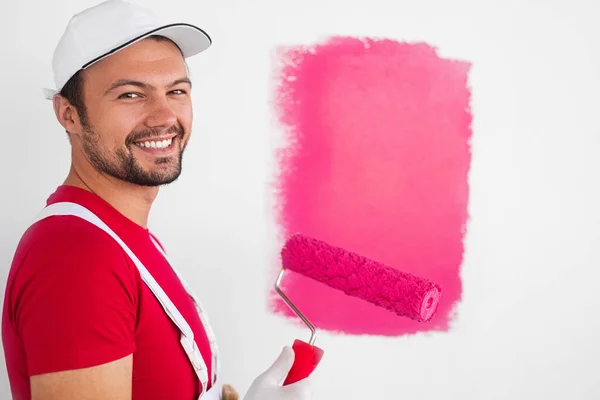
point(268, 385)
point(108, 381)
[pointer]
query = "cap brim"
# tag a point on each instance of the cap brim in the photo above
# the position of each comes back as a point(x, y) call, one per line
point(189, 38)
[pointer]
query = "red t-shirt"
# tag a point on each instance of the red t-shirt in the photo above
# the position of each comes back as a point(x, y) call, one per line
point(74, 299)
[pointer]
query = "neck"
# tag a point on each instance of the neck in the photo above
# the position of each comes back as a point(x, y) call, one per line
point(131, 200)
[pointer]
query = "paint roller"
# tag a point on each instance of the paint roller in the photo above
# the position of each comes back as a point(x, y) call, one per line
point(402, 293)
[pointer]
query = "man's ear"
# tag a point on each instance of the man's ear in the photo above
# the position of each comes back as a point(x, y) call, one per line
point(66, 114)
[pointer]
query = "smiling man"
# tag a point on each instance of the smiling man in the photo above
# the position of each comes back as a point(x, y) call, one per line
point(93, 309)
point(141, 123)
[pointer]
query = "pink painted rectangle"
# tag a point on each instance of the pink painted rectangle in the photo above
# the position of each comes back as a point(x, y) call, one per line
point(376, 161)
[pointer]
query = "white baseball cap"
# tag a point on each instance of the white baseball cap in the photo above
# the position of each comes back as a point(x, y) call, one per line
point(110, 26)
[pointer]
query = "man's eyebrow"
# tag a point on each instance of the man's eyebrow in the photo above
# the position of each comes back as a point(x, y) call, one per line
point(181, 80)
point(142, 85)
point(126, 82)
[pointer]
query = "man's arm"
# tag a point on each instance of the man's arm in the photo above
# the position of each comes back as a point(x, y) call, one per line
point(107, 381)
point(74, 305)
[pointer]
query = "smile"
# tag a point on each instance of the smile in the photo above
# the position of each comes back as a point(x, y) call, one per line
point(162, 144)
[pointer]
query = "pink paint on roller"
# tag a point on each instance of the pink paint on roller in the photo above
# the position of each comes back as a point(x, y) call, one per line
point(404, 294)
point(376, 162)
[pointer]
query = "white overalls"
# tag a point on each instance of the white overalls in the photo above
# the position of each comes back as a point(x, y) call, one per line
point(187, 335)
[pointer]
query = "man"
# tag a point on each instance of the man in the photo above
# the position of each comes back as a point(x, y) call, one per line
point(93, 309)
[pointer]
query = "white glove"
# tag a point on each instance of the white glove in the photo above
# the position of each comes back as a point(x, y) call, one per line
point(267, 386)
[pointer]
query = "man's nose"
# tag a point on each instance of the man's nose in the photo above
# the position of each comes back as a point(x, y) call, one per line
point(160, 113)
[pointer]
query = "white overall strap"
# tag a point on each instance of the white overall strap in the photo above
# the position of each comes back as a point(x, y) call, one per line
point(187, 335)
point(203, 316)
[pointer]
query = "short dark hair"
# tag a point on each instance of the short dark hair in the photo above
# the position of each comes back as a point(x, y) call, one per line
point(73, 92)
point(73, 89)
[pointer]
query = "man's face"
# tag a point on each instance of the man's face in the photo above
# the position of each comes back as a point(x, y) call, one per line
point(139, 113)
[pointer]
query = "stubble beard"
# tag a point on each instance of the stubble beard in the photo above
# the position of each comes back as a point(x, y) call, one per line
point(124, 166)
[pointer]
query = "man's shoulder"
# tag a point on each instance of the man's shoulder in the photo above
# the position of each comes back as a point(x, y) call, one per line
point(66, 230)
point(65, 238)
point(60, 251)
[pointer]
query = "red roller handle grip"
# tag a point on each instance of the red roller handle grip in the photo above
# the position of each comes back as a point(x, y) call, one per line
point(306, 359)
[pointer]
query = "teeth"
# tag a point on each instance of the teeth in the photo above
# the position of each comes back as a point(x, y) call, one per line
point(156, 145)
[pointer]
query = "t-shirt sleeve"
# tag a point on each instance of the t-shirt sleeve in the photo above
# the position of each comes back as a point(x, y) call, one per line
point(75, 300)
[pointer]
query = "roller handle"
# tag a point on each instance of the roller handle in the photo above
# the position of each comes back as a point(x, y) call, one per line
point(307, 357)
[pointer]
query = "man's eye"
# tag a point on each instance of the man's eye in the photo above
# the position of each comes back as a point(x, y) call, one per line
point(178, 91)
point(129, 95)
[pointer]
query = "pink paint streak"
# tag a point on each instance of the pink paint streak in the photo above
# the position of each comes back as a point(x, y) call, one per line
point(376, 162)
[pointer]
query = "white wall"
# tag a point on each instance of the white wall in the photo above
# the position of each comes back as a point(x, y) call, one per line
point(529, 324)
